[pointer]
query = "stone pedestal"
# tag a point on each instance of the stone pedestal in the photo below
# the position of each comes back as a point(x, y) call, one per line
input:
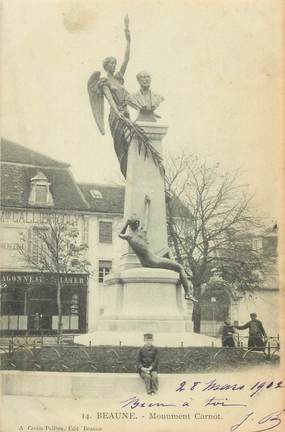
point(143, 300)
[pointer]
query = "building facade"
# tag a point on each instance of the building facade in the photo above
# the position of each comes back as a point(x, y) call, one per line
point(265, 299)
point(34, 190)
point(105, 216)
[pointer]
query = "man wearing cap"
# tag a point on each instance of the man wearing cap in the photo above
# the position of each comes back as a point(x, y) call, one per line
point(257, 335)
point(148, 364)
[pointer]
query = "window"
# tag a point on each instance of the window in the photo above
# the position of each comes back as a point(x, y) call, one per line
point(12, 301)
point(70, 302)
point(105, 268)
point(96, 194)
point(42, 300)
point(257, 245)
point(41, 194)
point(105, 232)
point(74, 304)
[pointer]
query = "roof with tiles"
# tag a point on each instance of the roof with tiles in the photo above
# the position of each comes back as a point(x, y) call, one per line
point(20, 165)
point(12, 152)
point(17, 170)
point(110, 199)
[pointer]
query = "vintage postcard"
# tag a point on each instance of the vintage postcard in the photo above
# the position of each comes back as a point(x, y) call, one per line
point(142, 221)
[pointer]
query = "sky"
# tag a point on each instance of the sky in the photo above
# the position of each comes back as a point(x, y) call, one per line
point(217, 63)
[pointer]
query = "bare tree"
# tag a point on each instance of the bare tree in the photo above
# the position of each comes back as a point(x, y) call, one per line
point(55, 250)
point(209, 220)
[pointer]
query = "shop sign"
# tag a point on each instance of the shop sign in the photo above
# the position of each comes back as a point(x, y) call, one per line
point(41, 279)
point(34, 217)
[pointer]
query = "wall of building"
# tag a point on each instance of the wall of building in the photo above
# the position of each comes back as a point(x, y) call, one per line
point(266, 304)
point(17, 224)
point(99, 251)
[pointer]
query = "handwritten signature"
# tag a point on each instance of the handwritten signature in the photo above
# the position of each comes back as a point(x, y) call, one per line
point(270, 421)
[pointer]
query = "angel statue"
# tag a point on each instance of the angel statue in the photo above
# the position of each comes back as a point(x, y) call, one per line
point(122, 128)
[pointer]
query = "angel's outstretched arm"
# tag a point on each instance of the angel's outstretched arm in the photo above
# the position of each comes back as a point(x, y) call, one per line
point(127, 52)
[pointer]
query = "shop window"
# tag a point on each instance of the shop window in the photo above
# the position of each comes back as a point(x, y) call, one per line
point(42, 300)
point(74, 304)
point(12, 302)
point(70, 302)
point(105, 232)
point(105, 268)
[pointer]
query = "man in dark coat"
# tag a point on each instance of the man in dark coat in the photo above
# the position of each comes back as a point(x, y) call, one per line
point(257, 335)
point(148, 364)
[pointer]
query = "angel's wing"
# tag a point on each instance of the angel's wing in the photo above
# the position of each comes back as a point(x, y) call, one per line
point(96, 100)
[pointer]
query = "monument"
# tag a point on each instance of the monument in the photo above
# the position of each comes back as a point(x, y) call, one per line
point(145, 293)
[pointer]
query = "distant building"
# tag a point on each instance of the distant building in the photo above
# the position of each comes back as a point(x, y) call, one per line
point(264, 300)
point(221, 300)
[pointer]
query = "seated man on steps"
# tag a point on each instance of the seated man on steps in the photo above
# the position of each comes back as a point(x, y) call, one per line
point(136, 236)
point(148, 364)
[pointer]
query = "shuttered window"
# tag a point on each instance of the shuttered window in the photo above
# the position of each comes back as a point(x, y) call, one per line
point(105, 232)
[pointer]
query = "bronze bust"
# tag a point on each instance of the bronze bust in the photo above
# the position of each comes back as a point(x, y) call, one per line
point(146, 101)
